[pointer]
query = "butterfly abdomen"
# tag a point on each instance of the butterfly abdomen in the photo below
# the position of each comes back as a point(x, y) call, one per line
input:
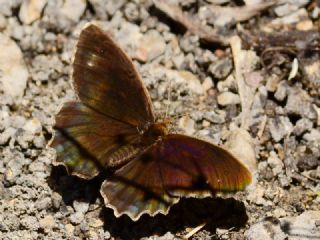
point(122, 155)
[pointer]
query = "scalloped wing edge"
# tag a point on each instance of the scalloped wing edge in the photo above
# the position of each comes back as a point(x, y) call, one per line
point(128, 213)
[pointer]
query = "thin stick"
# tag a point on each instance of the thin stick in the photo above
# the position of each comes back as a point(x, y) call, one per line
point(194, 231)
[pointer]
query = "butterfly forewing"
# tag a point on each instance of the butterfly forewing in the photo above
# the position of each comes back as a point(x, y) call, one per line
point(102, 130)
point(105, 79)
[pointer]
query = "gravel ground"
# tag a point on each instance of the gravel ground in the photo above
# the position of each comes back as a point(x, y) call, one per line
point(259, 101)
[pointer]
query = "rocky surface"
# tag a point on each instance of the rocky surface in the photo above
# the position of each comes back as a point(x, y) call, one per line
point(235, 94)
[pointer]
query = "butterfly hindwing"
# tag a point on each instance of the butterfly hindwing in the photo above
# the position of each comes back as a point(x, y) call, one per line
point(197, 165)
point(87, 141)
point(173, 167)
point(136, 189)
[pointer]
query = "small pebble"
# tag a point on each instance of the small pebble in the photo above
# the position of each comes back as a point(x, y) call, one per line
point(228, 98)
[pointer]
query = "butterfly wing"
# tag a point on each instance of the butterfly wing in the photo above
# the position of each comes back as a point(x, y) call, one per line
point(197, 166)
point(86, 140)
point(173, 167)
point(101, 131)
point(136, 189)
point(105, 79)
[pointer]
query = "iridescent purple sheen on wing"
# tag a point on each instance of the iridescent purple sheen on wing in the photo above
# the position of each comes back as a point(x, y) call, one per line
point(173, 167)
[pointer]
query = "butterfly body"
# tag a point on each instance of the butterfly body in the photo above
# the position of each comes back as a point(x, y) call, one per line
point(154, 132)
point(113, 126)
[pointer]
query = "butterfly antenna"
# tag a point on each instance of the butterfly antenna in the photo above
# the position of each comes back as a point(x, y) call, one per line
point(169, 99)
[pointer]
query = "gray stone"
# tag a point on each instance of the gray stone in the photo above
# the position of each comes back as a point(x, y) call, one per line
point(6, 135)
point(215, 116)
point(114, 5)
point(100, 8)
point(44, 203)
point(56, 200)
point(189, 43)
point(14, 168)
point(69, 228)
point(76, 218)
point(282, 91)
point(275, 163)
point(221, 68)
point(152, 44)
point(14, 72)
point(84, 227)
point(167, 236)
point(240, 143)
point(33, 126)
point(81, 207)
point(267, 229)
point(187, 124)
point(302, 227)
point(23, 138)
point(279, 212)
point(107, 235)
point(6, 7)
point(18, 32)
point(30, 222)
point(18, 121)
point(279, 127)
point(131, 12)
point(312, 136)
point(178, 61)
point(46, 68)
point(300, 103)
point(32, 39)
point(39, 141)
point(284, 180)
point(256, 195)
point(228, 84)
point(302, 125)
point(289, 6)
point(5, 120)
point(31, 10)
point(285, 9)
point(129, 35)
point(47, 223)
point(96, 223)
point(63, 15)
point(11, 222)
point(293, 17)
point(206, 57)
point(3, 22)
point(228, 98)
point(73, 9)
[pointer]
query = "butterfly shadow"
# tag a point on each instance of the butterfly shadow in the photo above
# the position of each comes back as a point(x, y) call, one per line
point(73, 188)
point(189, 212)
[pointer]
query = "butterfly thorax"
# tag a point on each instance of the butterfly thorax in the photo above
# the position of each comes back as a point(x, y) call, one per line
point(154, 132)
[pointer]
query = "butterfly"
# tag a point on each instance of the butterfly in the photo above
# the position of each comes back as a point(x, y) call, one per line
point(112, 128)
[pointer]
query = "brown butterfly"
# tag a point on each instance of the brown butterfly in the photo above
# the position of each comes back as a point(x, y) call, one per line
point(112, 128)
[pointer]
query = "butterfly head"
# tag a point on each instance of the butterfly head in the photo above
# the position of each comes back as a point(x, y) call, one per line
point(154, 132)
